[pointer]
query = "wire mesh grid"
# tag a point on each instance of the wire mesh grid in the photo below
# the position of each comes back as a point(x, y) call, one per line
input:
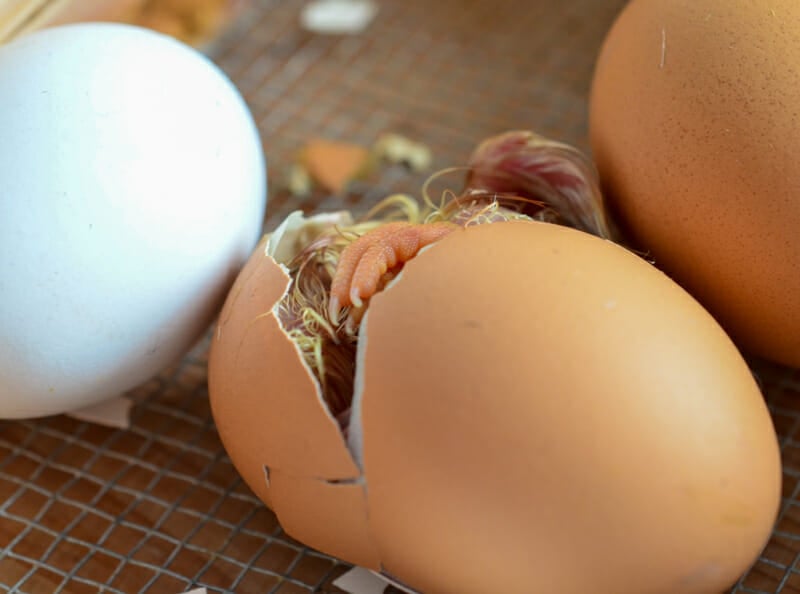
point(159, 508)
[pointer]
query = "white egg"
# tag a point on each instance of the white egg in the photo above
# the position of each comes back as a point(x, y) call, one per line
point(132, 190)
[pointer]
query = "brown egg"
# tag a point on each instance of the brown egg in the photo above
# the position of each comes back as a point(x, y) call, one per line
point(695, 129)
point(535, 410)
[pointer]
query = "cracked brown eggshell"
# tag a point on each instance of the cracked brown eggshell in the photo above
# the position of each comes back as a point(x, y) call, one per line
point(278, 434)
point(255, 376)
point(529, 400)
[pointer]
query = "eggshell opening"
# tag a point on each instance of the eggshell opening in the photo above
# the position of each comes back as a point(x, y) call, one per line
point(265, 401)
point(355, 437)
point(291, 236)
point(527, 388)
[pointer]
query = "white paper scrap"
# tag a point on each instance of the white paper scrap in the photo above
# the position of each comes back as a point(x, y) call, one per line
point(364, 581)
point(361, 581)
point(338, 17)
point(114, 412)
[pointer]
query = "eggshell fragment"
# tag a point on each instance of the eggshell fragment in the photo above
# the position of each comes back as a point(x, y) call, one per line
point(537, 400)
point(332, 515)
point(263, 397)
point(333, 164)
point(696, 133)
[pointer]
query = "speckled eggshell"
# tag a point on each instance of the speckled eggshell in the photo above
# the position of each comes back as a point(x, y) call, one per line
point(695, 128)
point(543, 411)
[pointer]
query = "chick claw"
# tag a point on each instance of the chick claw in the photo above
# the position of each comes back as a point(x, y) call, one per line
point(364, 262)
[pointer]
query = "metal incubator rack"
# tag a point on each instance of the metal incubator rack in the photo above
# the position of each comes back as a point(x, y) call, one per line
point(159, 508)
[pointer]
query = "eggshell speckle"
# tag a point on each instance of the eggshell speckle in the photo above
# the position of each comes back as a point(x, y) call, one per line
point(132, 191)
point(695, 130)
